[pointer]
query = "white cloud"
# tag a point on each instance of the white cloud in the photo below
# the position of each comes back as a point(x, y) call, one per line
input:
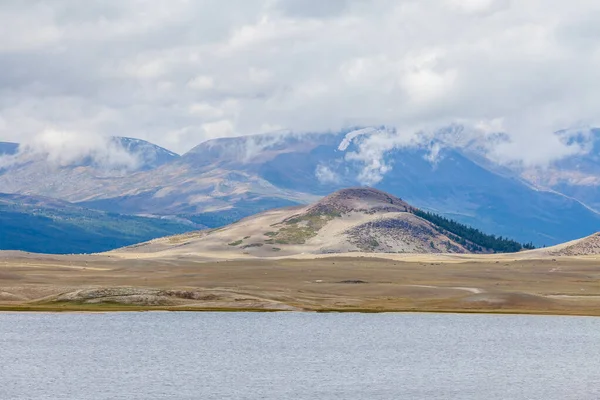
point(478, 6)
point(146, 69)
point(35, 28)
point(62, 148)
point(181, 72)
point(218, 129)
point(206, 111)
point(433, 156)
point(371, 153)
point(325, 175)
point(201, 82)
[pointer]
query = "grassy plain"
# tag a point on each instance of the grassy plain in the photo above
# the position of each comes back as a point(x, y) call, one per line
point(498, 284)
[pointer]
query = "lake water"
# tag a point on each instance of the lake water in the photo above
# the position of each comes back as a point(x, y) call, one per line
point(298, 356)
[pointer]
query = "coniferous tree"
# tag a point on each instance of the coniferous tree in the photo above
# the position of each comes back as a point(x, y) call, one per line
point(463, 234)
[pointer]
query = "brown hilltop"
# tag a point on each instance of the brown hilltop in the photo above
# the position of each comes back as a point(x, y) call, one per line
point(360, 199)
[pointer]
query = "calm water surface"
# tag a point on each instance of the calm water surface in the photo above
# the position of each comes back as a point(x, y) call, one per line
point(298, 356)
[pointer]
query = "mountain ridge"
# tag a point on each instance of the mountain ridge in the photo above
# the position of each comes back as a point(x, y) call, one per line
point(230, 178)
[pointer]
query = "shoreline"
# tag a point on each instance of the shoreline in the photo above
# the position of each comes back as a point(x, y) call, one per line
point(102, 309)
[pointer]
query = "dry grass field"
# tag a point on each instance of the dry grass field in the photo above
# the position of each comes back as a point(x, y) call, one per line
point(437, 283)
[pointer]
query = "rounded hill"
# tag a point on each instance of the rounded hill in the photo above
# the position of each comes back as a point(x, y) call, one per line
point(349, 220)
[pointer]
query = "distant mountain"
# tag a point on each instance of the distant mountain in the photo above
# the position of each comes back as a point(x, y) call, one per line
point(350, 220)
point(7, 148)
point(45, 225)
point(162, 184)
point(74, 178)
point(283, 159)
point(577, 176)
point(223, 180)
point(151, 156)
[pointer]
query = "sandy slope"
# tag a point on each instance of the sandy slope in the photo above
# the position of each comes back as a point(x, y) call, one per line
point(587, 247)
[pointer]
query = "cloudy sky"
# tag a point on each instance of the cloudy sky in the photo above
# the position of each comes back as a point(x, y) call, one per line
point(178, 72)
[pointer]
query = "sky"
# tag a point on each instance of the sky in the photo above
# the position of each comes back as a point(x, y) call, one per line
point(179, 72)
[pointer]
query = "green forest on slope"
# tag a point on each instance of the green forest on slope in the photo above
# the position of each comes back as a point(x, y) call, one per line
point(53, 227)
point(471, 238)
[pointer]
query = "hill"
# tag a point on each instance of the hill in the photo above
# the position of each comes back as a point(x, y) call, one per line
point(587, 246)
point(349, 220)
point(44, 225)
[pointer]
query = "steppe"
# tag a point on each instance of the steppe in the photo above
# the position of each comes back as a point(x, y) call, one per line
point(537, 282)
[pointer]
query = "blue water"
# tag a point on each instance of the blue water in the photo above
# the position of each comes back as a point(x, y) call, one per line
point(298, 356)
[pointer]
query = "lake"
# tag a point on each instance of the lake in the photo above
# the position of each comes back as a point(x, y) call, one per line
point(166, 355)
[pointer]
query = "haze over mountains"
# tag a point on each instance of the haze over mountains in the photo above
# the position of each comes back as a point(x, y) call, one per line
point(223, 180)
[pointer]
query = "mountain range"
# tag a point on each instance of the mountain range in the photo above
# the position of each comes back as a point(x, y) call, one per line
point(223, 180)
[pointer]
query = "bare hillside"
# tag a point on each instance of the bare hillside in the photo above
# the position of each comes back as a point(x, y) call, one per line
point(586, 246)
point(350, 220)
